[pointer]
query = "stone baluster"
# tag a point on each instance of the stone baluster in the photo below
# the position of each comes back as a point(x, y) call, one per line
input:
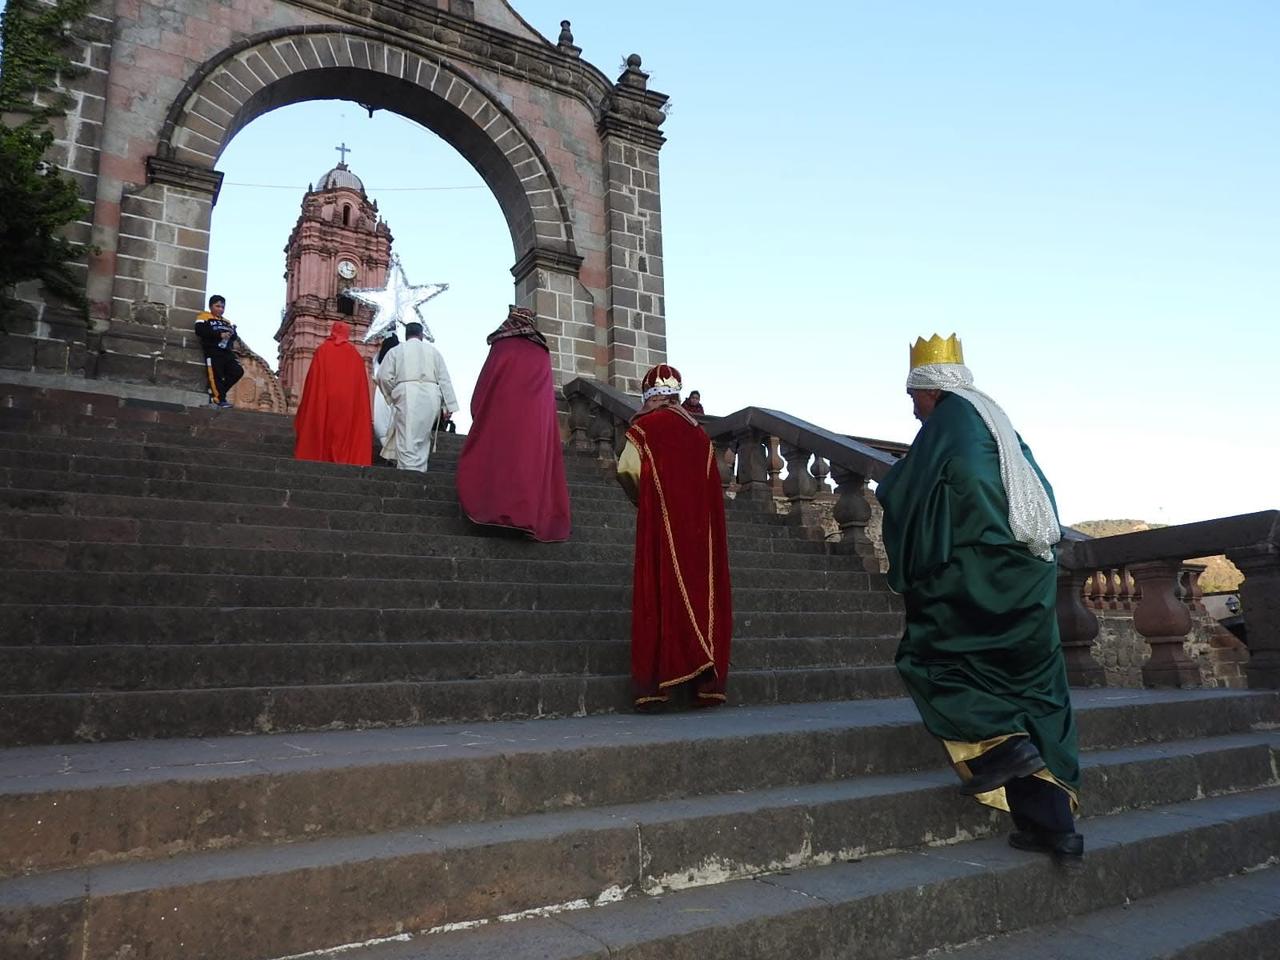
point(1192, 592)
point(820, 470)
point(1111, 591)
point(851, 512)
point(753, 469)
point(601, 434)
point(801, 486)
point(725, 460)
point(579, 421)
point(1078, 626)
point(1128, 590)
point(1164, 622)
point(1260, 600)
point(776, 464)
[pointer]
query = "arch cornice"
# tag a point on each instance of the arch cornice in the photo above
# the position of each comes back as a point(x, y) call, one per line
point(238, 84)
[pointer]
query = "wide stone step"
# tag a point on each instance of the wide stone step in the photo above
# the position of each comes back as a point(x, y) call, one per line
point(890, 907)
point(1237, 917)
point(46, 541)
point(76, 717)
point(67, 669)
point(36, 470)
point(80, 804)
point(276, 509)
point(256, 902)
point(612, 510)
point(748, 570)
point(27, 624)
point(56, 587)
point(580, 471)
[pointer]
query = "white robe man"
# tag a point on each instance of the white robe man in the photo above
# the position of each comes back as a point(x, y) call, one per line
point(416, 384)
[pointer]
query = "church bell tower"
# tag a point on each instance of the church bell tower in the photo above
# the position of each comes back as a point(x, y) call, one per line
point(339, 242)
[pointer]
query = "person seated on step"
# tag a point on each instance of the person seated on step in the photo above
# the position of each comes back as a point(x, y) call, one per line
point(969, 528)
point(218, 340)
point(681, 608)
point(334, 422)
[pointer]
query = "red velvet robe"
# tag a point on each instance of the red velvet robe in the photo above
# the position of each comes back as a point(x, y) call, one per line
point(682, 611)
point(511, 469)
point(334, 422)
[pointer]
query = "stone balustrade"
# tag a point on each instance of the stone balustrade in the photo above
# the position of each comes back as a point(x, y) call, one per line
point(762, 454)
point(1146, 572)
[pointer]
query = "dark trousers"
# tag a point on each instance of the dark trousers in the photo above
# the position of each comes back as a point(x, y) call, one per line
point(1038, 806)
point(223, 371)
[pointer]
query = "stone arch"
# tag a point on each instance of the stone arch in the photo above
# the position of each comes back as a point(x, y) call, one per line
point(286, 66)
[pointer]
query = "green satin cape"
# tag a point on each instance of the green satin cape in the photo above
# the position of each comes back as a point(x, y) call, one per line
point(980, 654)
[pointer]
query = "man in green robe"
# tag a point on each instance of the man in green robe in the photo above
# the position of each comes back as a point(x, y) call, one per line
point(969, 528)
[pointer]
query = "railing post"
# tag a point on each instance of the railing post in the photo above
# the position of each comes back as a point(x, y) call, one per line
point(852, 512)
point(601, 434)
point(753, 468)
point(1164, 622)
point(725, 460)
point(1260, 598)
point(1078, 626)
point(579, 421)
point(775, 464)
point(800, 486)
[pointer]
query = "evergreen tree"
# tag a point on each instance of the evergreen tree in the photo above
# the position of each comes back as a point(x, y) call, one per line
point(37, 200)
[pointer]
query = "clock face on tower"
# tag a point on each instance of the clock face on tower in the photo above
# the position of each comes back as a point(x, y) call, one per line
point(346, 270)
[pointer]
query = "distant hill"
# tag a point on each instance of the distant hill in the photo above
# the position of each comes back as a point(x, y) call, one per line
point(1220, 574)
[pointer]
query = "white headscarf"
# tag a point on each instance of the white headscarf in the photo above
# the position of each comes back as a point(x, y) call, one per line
point(1031, 514)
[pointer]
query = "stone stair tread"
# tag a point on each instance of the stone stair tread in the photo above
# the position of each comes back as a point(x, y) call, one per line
point(55, 529)
point(1143, 839)
point(120, 763)
point(1236, 916)
point(559, 828)
point(891, 906)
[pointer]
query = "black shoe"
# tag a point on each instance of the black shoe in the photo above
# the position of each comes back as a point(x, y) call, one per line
point(1016, 757)
point(1067, 849)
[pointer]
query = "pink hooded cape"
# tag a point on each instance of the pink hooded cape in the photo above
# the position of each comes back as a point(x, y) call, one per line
point(511, 470)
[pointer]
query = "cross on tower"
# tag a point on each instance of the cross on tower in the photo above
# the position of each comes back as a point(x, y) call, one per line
point(343, 150)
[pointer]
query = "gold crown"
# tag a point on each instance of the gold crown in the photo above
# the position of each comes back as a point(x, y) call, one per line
point(936, 350)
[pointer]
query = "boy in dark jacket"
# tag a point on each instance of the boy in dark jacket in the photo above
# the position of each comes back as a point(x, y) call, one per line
point(218, 338)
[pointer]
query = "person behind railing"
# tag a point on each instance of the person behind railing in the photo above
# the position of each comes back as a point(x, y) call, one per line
point(511, 469)
point(969, 528)
point(693, 403)
point(682, 611)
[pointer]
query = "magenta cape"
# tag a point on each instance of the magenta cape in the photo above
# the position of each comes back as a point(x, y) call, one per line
point(511, 471)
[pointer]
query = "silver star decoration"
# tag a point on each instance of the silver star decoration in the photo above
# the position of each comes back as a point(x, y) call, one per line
point(394, 302)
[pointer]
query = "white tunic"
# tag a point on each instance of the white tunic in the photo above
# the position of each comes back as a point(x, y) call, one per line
point(415, 382)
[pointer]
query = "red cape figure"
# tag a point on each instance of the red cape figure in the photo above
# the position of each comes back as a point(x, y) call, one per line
point(334, 422)
point(511, 469)
point(682, 609)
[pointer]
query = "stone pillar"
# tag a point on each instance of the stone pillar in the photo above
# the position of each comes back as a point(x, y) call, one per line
point(1260, 598)
point(1164, 622)
point(1078, 626)
point(852, 512)
point(725, 460)
point(161, 268)
point(547, 283)
point(630, 132)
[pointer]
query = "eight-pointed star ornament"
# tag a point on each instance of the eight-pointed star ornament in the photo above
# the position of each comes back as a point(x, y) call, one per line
point(397, 302)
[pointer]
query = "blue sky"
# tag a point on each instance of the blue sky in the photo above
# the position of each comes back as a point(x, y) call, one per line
point(1086, 193)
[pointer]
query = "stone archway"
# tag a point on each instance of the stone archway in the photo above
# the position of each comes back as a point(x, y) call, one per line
point(571, 157)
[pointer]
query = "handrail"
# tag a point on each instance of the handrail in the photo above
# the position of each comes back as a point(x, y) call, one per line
point(838, 449)
point(1203, 539)
point(620, 405)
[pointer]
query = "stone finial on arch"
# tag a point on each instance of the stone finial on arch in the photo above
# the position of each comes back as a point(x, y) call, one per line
point(280, 67)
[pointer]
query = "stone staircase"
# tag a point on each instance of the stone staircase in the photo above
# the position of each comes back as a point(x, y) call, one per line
point(435, 758)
